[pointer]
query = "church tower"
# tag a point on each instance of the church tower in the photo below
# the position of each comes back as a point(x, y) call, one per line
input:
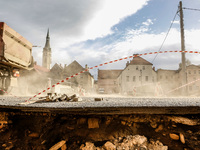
point(46, 61)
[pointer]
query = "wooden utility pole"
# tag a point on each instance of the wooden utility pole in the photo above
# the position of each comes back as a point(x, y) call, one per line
point(184, 76)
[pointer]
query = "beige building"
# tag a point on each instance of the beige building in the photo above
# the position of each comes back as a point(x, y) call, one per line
point(193, 79)
point(108, 81)
point(168, 81)
point(138, 78)
point(84, 80)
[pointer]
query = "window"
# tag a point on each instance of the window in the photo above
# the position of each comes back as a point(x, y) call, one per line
point(143, 67)
point(189, 72)
point(195, 71)
point(146, 78)
point(160, 76)
point(127, 78)
point(136, 67)
point(133, 78)
point(166, 77)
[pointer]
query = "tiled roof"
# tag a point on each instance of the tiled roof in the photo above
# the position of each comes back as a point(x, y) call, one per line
point(139, 61)
point(108, 74)
point(40, 69)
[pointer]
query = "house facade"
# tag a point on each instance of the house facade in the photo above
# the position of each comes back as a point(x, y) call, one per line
point(84, 80)
point(137, 78)
point(108, 81)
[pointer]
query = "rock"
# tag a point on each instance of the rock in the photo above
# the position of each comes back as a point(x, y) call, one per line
point(93, 123)
point(182, 139)
point(123, 122)
point(160, 128)
point(81, 121)
point(98, 99)
point(58, 145)
point(88, 146)
point(64, 147)
point(34, 135)
point(184, 120)
point(109, 146)
point(153, 124)
point(174, 136)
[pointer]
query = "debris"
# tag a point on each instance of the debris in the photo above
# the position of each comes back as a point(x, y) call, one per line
point(160, 128)
point(174, 136)
point(93, 123)
point(54, 97)
point(98, 99)
point(34, 135)
point(183, 120)
point(2, 124)
point(109, 146)
point(64, 147)
point(182, 139)
point(58, 145)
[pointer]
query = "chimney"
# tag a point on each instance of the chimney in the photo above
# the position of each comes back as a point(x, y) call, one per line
point(86, 66)
point(127, 63)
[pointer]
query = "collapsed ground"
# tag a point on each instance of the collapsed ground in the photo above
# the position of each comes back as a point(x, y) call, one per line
point(26, 131)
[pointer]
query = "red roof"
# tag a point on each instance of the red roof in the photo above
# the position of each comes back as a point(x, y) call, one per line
point(40, 69)
point(139, 61)
point(108, 74)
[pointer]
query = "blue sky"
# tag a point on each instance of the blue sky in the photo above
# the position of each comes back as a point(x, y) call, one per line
point(93, 32)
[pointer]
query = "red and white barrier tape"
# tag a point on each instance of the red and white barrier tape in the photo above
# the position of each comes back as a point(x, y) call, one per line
point(196, 52)
point(7, 92)
point(182, 86)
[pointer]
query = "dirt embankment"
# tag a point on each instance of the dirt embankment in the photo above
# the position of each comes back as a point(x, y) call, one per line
point(35, 131)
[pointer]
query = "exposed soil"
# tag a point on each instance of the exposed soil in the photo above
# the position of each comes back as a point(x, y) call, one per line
point(40, 131)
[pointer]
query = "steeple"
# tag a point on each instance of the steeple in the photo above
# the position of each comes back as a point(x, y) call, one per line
point(46, 62)
point(47, 45)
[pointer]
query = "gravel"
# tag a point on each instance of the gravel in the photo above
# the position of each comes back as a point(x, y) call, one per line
point(107, 102)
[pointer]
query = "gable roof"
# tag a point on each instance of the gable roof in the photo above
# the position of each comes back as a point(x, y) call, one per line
point(57, 66)
point(40, 69)
point(108, 74)
point(139, 61)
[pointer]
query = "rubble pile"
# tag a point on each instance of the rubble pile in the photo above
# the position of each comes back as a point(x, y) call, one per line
point(54, 97)
point(130, 142)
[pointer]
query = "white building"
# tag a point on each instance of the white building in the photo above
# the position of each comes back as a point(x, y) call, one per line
point(138, 78)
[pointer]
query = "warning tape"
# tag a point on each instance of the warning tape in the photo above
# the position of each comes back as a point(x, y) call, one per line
point(8, 93)
point(110, 62)
point(182, 86)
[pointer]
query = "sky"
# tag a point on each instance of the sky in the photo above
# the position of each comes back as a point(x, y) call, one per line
point(96, 31)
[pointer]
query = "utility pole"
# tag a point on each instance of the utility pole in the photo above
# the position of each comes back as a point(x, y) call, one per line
point(184, 77)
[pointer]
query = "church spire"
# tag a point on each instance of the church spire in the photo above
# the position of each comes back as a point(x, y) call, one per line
point(47, 45)
point(46, 62)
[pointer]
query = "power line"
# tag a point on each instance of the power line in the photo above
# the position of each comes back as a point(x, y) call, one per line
point(165, 36)
point(191, 9)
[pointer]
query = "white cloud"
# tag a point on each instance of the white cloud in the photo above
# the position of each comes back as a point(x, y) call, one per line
point(144, 42)
point(175, 22)
point(148, 22)
point(111, 13)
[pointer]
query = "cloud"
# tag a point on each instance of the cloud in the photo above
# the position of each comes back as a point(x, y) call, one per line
point(141, 41)
point(175, 22)
point(148, 22)
point(111, 13)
